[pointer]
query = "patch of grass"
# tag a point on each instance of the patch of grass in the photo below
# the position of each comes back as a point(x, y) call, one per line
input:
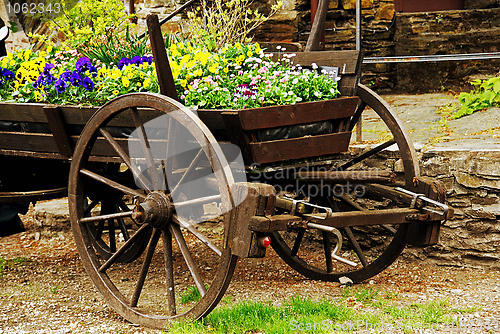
point(296, 315)
point(11, 262)
point(373, 310)
point(55, 289)
point(361, 294)
point(190, 295)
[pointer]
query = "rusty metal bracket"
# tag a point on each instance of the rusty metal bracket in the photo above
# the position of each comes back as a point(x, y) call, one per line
point(443, 208)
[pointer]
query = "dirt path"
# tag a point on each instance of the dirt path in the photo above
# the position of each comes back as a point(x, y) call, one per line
point(44, 289)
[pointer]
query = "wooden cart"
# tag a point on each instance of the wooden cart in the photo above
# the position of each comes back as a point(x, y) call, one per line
point(158, 208)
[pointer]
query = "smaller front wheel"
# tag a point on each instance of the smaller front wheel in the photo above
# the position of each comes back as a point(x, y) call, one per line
point(368, 249)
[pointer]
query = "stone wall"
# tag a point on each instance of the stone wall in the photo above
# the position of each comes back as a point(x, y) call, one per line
point(451, 32)
point(472, 237)
point(384, 33)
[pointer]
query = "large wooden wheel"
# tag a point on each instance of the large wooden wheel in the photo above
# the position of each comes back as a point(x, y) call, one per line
point(367, 249)
point(180, 178)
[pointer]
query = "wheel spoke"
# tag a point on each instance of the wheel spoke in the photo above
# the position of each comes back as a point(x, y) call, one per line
point(91, 207)
point(367, 154)
point(355, 245)
point(188, 172)
point(327, 246)
point(355, 205)
point(99, 230)
point(357, 114)
point(112, 183)
point(197, 234)
point(122, 249)
point(112, 236)
point(176, 231)
point(145, 267)
point(298, 240)
point(201, 200)
point(123, 228)
point(146, 149)
point(169, 267)
point(126, 159)
point(104, 217)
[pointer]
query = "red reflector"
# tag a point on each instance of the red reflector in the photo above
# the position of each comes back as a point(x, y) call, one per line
point(265, 241)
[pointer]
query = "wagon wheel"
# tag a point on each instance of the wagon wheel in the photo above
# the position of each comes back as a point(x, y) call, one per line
point(371, 248)
point(181, 279)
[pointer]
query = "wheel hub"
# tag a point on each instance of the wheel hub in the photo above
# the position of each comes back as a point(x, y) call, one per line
point(156, 210)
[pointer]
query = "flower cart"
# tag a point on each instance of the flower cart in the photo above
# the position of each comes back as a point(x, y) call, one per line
point(163, 201)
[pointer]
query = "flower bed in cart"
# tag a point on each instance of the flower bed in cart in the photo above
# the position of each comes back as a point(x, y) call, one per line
point(238, 77)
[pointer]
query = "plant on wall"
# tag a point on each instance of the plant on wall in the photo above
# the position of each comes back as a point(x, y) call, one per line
point(216, 23)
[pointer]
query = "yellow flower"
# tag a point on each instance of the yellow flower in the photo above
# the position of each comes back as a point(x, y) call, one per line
point(49, 48)
point(146, 83)
point(198, 72)
point(4, 62)
point(10, 56)
point(249, 53)
point(125, 81)
point(184, 82)
point(116, 73)
point(138, 84)
point(116, 92)
point(203, 57)
point(27, 54)
point(213, 68)
point(102, 72)
point(226, 70)
point(257, 48)
point(38, 96)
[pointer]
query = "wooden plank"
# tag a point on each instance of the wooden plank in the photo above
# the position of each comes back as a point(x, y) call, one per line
point(342, 176)
point(300, 113)
point(237, 135)
point(348, 61)
point(59, 130)
point(299, 148)
point(34, 112)
point(31, 142)
point(212, 119)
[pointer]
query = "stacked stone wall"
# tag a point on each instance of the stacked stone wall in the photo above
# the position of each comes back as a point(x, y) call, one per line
point(472, 237)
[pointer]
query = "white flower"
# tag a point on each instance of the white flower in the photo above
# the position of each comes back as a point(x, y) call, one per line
point(314, 66)
point(316, 94)
point(295, 81)
point(332, 91)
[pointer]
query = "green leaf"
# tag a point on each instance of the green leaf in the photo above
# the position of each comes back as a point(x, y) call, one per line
point(496, 85)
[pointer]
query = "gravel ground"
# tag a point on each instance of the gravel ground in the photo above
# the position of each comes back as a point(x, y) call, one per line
point(49, 292)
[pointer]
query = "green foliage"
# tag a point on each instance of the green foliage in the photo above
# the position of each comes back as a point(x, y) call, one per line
point(485, 94)
point(98, 29)
point(216, 23)
point(190, 295)
point(112, 48)
point(304, 315)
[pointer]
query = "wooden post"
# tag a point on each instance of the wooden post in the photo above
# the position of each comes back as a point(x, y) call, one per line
point(318, 26)
point(163, 70)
